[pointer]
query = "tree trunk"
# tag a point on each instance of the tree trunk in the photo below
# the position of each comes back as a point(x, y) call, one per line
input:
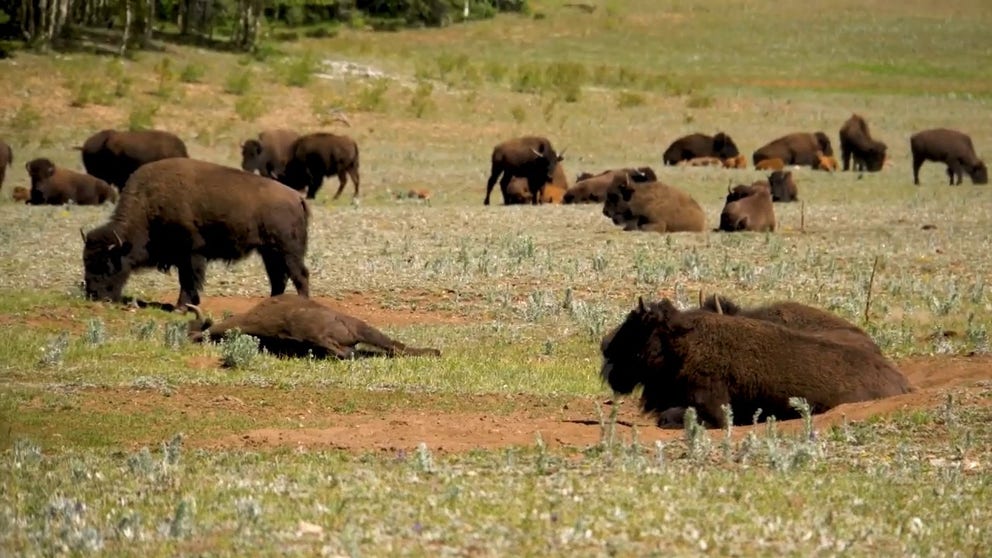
point(149, 23)
point(128, 22)
point(249, 19)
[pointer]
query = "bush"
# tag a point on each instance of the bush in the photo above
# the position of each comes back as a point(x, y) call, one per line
point(299, 72)
point(192, 73)
point(238, 82)
point(249, 107)
point(142, 117)
point(238, 350)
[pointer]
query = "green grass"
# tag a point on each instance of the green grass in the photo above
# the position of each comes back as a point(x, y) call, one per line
point(516, 298)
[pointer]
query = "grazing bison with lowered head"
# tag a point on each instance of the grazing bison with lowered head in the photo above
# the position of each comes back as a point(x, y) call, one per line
point(292, 325)
point(856, 142)
point(752, 212)
point(783, 187)
point(593, 188)
point(692, 146)
point(518, 191)
point(530, 157)
point(653, 206)
point(268, 154)
point(952, 148)
point(6, 158)
point(795, 149)
point(183, 213)
point(51, 185)
point(705, 360)
point(113, 155)
point(314, 156)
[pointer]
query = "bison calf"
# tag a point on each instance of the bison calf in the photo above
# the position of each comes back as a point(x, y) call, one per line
point(291, 325)
point(51, 185)
point(738, 162)
point(952, 148)
point(706, 360)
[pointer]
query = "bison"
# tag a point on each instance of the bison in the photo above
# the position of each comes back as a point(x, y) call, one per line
point(783, 187)
point(795, 149)
point(950, 147)
point(314, 156)
point(700, 145)
point(530, 157)
point(751, 212)
point(51, 185)
point(742, 191)
point(592, 188)
point(770, 164)
point(706, 360)
point(269, 153)
point(825, 162)
point(20, 193)
point(653, 206)
point(113, 155)
point(738, 162)
point(856, 142)
point(6, 158)
point(292, 325)
point(518, 191)
point(183, 213)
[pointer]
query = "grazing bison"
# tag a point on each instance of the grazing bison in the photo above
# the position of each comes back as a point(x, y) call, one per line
point(530, 157)
point(518, 191)
point(795, 149)
point(783, 187)
point(314, 156)
point(183, 213)
point(6, 158)
point(292, 325)
point(269, 153)
point(700, 145)
point(706, 360)
point(593, 188)
point(856, 142)
point(51, 185)
point(752, 212)
point(738, 162)
point(653, 206)
point(825, 162)
point(770, 164)
point(113, 155)
point(952, 148)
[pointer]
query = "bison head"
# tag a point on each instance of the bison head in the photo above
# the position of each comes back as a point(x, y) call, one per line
point(624, 348)
point(824, 142)
point(979, 173)
point(251, 155)
point(106, 263)
point(724, 147)
point(39, 170)
point(617, 205)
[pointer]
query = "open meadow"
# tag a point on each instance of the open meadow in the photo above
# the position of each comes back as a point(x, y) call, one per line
point(120, 437)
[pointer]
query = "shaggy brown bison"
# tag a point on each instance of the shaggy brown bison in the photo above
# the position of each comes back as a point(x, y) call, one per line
point(6, 158)
point(748, 208)
point(856, 142)
point(269, 153)
point(783, 187)
point(530, 157)
point(952, 148)
point(51, 185)
point(653, 206)
point(706, 360)
point(770, 164)
point(113, 155)
point(183, 213)
point(738, 162)
point(592, 188)
point(315, 156)
point(742, 191)
point(292, 325)
point(518, 191)
point(795, 149)
point(700, 145)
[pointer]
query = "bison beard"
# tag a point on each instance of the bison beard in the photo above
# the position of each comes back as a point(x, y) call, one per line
point(290, 325)
point(183, 213)
point(706, 360)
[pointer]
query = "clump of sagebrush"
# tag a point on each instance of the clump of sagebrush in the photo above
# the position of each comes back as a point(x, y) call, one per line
point(249, 107)
point(518, 113)
point(144, 330)
point(53, 354)
point(238, 82)
point(96, 332)
point(299, 71)
point(629, 99)
point(165, 78)
point(372, 96)
point(192, 73)
point(423, 460)
point(697, 441)
point(142, 116)
point(238, 350)
point(421, 102)
point(175, 334)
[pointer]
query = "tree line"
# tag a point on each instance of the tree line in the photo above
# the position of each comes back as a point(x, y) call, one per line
point(42, 24)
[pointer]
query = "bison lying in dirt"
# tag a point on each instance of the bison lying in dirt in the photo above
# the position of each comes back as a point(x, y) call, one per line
point(795, 149)
point(268, 154)
point(183, 213)
point(592, 188)
point(113, 155)
point(530, 157)
point(653, 206)
point(705, 360)
point(856, 142)
point(315, 156)
point(748, 208)
point(51, 185)
point(692, 146)
point(291, 325)
point(952, 148)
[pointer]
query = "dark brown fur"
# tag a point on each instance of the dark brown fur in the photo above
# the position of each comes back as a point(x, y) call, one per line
point(51, 185)
point(692, 146)
point(952, 148)
point(742, 191)
point(530, 157)
point(593, 188)
point(270, 153)
point(783, 187)
point(653, 206)
point(315, 156)
point(183, 213)
point(856, 142)
point(291, 325)
point(518, 191)
point(113, 155)
point(6, 158)
point(705, 360)
point(753, 212)
point(795, 149)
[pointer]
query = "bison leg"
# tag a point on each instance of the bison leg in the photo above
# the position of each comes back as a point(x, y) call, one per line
point(709, 402)
point(353, 173)
point(917, 163)
point(342, 182)
point(191, 278)
point(276, 269)
point(954, 170)
point(299, 275)
point(845, 156)
point(316, 181)
point(494, 175)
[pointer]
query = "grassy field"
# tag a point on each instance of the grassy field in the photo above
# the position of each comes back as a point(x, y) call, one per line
point(120, 438)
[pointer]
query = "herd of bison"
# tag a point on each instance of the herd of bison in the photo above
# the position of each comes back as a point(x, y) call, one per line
point(727, 362)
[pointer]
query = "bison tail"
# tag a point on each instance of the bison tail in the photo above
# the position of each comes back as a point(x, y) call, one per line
point(729, 307)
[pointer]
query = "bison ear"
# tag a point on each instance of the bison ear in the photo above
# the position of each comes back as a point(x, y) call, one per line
point(640, 305)
point(83, 234)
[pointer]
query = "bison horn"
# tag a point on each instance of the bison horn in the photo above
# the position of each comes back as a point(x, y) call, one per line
point(536, 152)
point(716, 299)
point(118, 238)
point(82, 233)
point(640, 304)
point(196, 312)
